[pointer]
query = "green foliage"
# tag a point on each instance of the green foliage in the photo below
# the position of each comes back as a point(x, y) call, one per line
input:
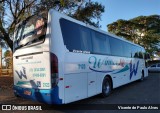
point(92, 10)
point(8, 53)
point(88, 12)
point(143, 30)
point(8, 59)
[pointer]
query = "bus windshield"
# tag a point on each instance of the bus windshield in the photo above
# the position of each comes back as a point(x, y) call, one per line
point(31, 31)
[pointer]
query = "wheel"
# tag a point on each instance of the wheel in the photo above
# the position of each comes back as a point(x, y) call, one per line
point(142, 76)
point(149, 71)
point(106, 87)
point(16, 95)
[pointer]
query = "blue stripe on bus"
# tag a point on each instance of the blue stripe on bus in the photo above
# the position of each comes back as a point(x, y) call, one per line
point(49, 96)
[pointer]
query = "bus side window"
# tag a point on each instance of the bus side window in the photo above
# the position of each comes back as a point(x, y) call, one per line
point(99, 42)
point(135, 53)
point(116, 47)
point(141, 55)
point(71, 35)
point(127, 52)
point(85, 38)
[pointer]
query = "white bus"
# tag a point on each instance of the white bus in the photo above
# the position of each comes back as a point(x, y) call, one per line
point(58, 60)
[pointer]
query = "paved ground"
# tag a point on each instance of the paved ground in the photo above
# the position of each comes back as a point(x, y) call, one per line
point(146, 92)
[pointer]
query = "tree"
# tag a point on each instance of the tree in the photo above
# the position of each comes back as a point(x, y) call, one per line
point(88, 12)
point(8, 59)
point(2, 42)
point(8, 53)
point(143, 30)
point(11, 13)
point(14, 11)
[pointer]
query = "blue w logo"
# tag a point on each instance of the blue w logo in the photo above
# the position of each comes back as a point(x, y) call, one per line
point(22, 73)
point(133, 69)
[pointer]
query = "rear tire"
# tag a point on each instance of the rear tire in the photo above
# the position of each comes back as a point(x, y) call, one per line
point(106, 87)
point(16, 95)
point(149, 71)
point(142, 76)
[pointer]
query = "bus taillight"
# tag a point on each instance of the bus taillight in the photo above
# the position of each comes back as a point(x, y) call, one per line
point(54, 69)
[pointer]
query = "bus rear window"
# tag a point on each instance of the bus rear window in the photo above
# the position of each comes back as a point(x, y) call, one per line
point(30, 31)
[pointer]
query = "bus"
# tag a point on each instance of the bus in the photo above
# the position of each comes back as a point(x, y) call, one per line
point(58, 60)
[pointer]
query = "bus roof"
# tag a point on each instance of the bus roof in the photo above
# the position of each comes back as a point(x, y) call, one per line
point(61, 15)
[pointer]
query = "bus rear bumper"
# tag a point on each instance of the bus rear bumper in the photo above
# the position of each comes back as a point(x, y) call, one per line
point(48, 96)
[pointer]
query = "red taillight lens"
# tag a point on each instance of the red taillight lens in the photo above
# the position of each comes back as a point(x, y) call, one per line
point(54, 63)
point(54, 69)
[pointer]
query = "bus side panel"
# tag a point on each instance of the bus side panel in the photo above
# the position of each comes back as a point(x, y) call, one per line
point(92, 84)
point(136, 69)
point(75, 77)
point(57, 48)
point(134, 72)
point(99, 81)
point(75, 87)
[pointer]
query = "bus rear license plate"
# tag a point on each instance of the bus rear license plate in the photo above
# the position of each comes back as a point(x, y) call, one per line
point(27, 92)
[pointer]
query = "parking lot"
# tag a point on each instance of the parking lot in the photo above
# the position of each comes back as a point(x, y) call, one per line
point(145, 92)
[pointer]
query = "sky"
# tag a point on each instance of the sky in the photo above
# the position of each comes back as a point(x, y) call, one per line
point(127, 9)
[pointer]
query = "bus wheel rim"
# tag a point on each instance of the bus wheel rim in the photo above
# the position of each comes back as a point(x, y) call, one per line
point(106, 87)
